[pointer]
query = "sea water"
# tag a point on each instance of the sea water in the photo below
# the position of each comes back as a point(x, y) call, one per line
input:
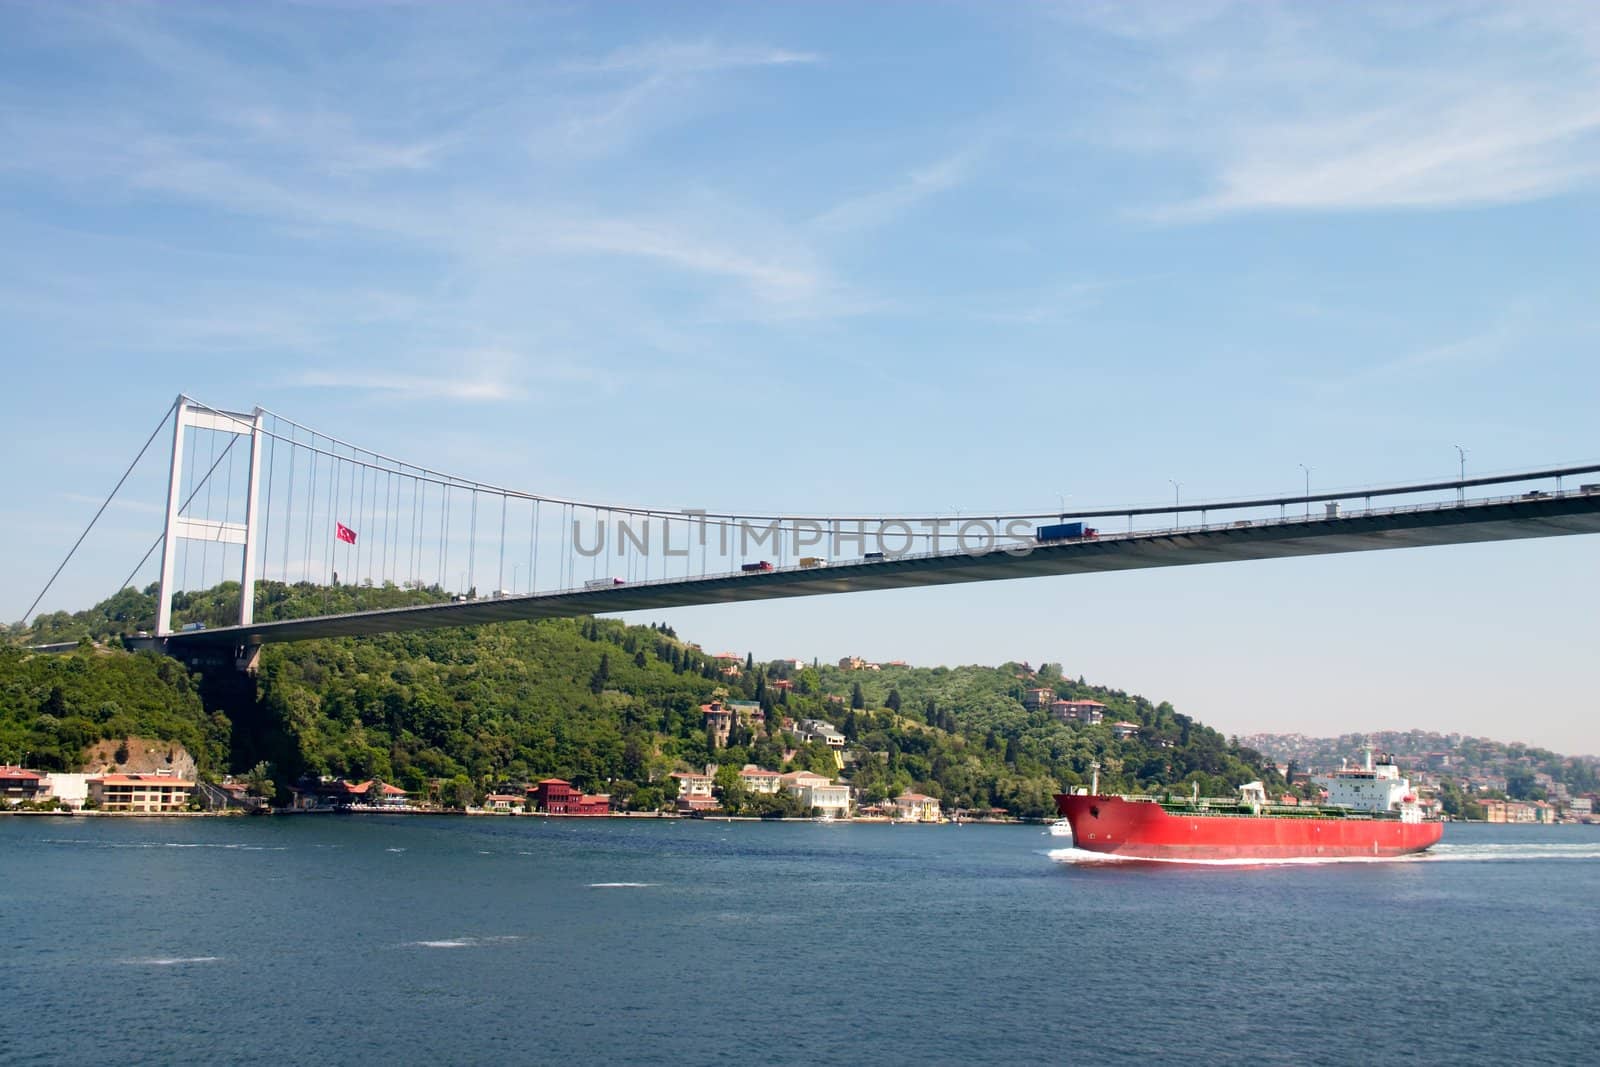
point(358, 939)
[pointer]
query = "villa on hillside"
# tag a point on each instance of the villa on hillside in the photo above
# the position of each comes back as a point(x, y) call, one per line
point(1034, 699)
point(719, 722)
point(1088, 712)
point(819, 730)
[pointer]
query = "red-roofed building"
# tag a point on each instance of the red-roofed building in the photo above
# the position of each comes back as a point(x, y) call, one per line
point(719, 722)
point(557, 796)
point(390, 796)
point(146, 794)
point(1089, 712)
point(554, 796)
point(1125, 730)
point(592, 804)
point(19, 784)
point(503, 802)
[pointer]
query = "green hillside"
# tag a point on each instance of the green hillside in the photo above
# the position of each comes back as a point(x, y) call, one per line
point(53, 707)
point(615, 708)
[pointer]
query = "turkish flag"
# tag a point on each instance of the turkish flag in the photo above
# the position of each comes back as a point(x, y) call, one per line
point(344, 533)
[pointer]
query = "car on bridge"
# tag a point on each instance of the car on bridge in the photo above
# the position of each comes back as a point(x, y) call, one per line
point(756, 568)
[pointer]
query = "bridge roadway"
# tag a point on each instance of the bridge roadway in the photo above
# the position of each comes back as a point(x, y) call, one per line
point(1503, 519)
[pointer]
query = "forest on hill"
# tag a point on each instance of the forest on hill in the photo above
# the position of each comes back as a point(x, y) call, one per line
point(612, 707)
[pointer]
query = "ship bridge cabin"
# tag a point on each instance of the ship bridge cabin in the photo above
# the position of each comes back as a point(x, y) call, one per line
point(1370, 787)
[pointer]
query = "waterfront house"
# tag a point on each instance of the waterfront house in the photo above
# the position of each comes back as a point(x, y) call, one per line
point(915, 807)
point(18, 784)
point(756, 780)
point(502, 802)
point(68, 790)
point(145, 794)
point(694, 790)
point(554, 796)
point(385, 796)
point(818, 791)
point(593, 804)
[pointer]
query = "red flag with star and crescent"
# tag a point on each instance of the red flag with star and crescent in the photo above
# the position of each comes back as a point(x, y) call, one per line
point(344, 533)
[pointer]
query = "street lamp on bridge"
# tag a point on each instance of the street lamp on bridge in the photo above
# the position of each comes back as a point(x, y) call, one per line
point(1307, 469)
point(1176, 488)
point(1461, 489)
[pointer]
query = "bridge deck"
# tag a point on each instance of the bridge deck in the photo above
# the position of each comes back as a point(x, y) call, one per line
point(1549, 515)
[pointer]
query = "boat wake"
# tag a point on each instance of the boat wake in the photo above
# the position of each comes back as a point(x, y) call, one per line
point(169, 961)
point(465, 942)
point(623, 885)
point(1522, 850)
point(1084, 858)
point(1443, 853)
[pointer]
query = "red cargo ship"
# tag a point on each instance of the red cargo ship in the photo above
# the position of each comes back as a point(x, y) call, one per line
point(1371, 811)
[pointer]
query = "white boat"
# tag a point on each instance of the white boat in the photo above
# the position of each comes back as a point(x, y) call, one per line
point(1061, 828)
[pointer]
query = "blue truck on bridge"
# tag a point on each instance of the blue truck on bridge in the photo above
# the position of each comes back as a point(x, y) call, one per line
point(1065, 531)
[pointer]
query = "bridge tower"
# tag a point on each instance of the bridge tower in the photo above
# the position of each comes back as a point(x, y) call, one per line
point(180, 527)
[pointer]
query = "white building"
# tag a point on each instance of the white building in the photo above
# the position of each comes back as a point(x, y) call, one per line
point(830, 799)
point(694, 784)
point(70, 790)
point(915, 807)
point(819, 730)
point(757, 780)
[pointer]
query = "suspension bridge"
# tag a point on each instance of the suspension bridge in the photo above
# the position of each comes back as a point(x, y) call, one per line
point(257, 497)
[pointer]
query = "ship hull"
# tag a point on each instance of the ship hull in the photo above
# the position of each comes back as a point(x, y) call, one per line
point(1144, 830)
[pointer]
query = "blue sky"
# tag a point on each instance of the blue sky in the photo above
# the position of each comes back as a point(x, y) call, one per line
point(900, 259)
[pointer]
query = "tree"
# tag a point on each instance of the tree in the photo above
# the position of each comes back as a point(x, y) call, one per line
point(258, 781)
point(602, 674)
point(893, 703)
point(857, 699)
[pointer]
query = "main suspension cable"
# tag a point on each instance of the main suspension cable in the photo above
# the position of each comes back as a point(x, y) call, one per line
point(100, 512)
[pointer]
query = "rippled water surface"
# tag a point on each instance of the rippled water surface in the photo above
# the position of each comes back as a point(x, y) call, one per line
point(513, 941)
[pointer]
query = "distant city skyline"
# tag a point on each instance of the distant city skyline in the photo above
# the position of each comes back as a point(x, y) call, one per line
point(978, 259)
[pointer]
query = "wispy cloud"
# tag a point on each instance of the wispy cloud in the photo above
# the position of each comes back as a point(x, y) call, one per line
point(124, 504)
point(884, 205)
point(411, 386)
point(691, 57)
point(487, 374)
point(1293, 109)
point(774, 276)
